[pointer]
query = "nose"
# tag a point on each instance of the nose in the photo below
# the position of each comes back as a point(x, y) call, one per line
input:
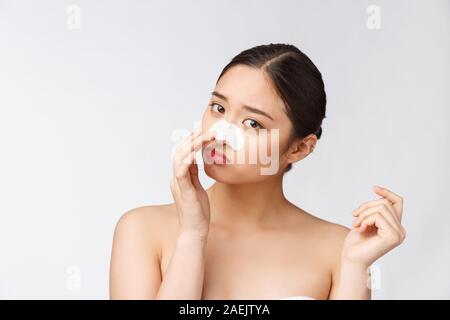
point(230, 133)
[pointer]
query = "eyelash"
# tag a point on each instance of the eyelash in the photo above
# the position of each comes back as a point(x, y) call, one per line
point(260, 126)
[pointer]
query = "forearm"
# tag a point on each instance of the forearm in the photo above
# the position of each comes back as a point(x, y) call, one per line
point(184, 277)
point(353, 283)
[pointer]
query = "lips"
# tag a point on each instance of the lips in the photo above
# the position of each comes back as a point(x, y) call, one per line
point(218, 157)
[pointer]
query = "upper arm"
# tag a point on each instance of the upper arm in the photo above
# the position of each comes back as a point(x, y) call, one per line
point(338, 237)
point(134, 269)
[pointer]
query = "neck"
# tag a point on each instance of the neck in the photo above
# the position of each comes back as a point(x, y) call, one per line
point(245, 205)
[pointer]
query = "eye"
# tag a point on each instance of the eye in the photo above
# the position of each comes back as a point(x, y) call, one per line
point(253, 124)
point(217, 107)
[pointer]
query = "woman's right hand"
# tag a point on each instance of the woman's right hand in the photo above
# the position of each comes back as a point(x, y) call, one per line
point(191, 199)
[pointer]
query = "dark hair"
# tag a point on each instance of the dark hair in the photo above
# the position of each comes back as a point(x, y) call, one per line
point(296, 79)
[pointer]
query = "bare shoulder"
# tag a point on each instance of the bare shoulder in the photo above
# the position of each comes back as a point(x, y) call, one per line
point(332, 232)
point(147, 216)
point(147, 223)
point(329, 235)
point(137, 250)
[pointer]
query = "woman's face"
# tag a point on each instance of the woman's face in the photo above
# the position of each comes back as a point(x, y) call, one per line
point(245, 97)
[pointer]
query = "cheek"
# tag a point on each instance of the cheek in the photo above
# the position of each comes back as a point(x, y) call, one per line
point(261, 144)
point(283, 141)
point(267, 143)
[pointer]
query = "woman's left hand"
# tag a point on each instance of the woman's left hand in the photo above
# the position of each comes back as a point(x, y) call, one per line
point(376, 230)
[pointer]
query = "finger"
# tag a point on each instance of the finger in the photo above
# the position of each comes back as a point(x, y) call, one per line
point(397, 201)
point(184, 150)
point(184, 179)
point(197, 143)
point(175, 189)
point(383, 201)
point(182, 168)
point(184, 158)
point(384, 229)
point(384, 211)
point(188, 140)
point(193, 170)
point(369, 204)
point(193, 134)
point(380, 222)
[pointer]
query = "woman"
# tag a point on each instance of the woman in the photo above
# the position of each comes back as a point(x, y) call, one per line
point(241, 238)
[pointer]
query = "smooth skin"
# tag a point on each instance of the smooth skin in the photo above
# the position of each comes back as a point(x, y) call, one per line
point(241, 238)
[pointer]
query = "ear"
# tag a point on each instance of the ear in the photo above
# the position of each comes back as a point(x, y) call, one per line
point(301, 148)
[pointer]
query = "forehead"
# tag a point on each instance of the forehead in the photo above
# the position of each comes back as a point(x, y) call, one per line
point(244, 85)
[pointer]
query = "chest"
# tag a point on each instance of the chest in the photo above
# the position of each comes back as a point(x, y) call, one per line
point(262, 267)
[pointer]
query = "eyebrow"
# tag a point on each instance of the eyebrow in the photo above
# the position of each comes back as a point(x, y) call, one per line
point(249, 108)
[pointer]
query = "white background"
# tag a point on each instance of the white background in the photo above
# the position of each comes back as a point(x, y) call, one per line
point(86, 118)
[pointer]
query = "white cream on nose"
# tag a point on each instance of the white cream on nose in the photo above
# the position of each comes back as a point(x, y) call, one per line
point(230, 133)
